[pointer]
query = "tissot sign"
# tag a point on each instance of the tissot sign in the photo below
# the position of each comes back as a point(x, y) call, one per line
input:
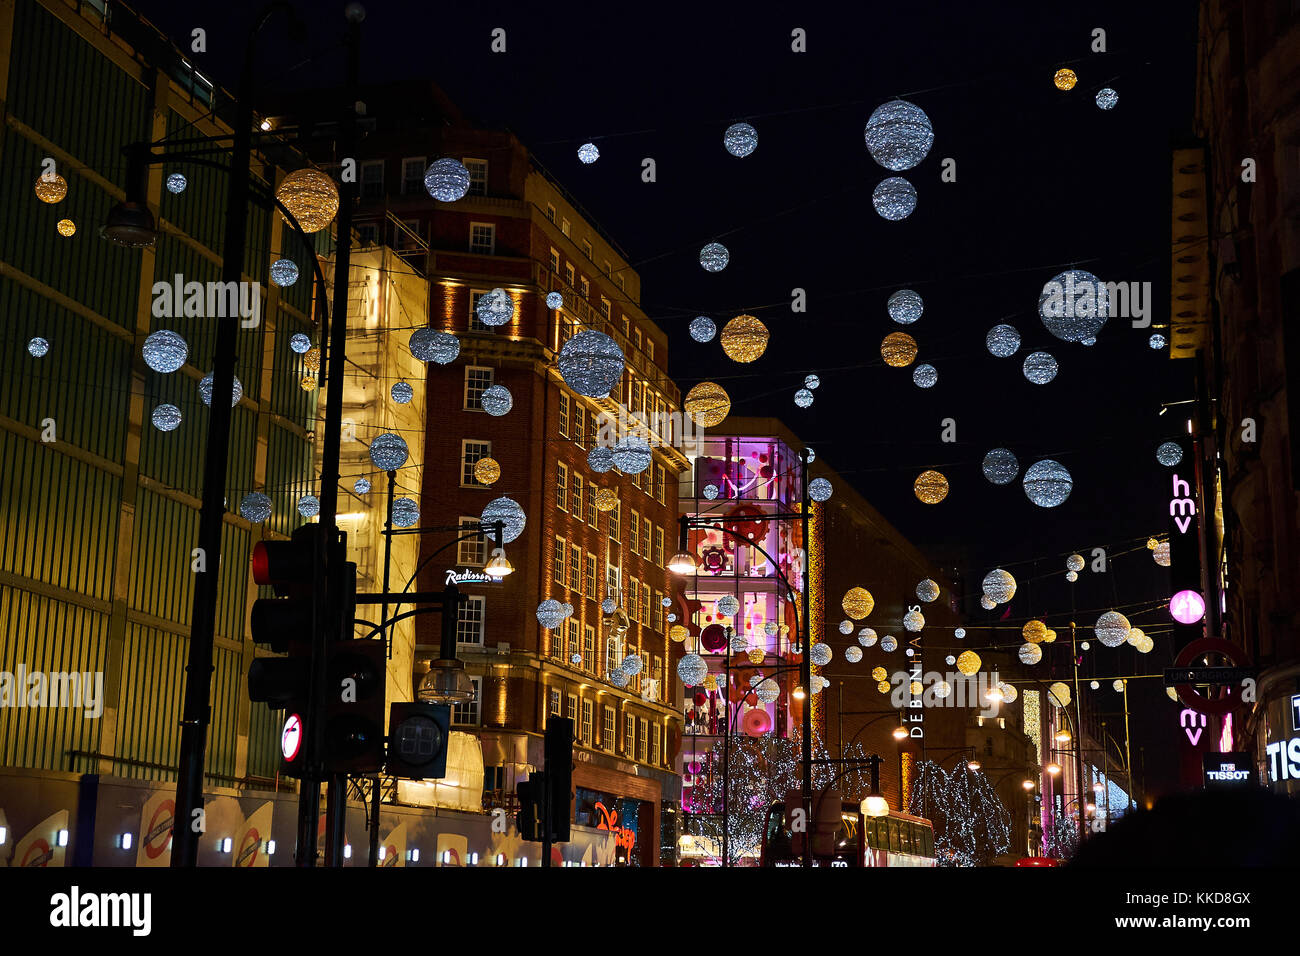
point(1228, 771)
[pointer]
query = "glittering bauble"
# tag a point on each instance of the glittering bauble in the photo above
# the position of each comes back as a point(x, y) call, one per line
point(1135, 634)
point(1074, 305)
point(405, 512)
point(1074, 562)
point(710, 682)
point(1040, 368)
point(999, 585)
point(495, 307)
point(1064, 79)
point(677, 632)
point(591, 363)
point(913, 621)
point(600, 459)
point(575, 659)
point(884, 687)
point(692, 670)
point(740, 139)
point(53, 189)
point(846, 626)
point(707, 403)
point(256, 507)
point(889, 643)
point(1059, 694)
point(309, 506)
point(299, 343)
point(879, 673)
point(66, 228)
point(632, 664)
point(987, 602)
point(37, 347)
point(1002, 341)
point(905, 306)
point(632, 455)
point(1030, 653)
point(311, 197)
point(1071, 576)
point(1047, 483)
point(402, 393)
point(311, 359)
point(554, 300)
point(711, 492)
point(703, 329)
point(968, 662)
point(916, 688)
point(820, 489)
point(165, 351)
point(166, 418)
point(487, 471)
point(803, 398)
point(867, 637)
point(1157, 341)
point(446, 179)
point(176, 183)
point(1169, 454)
point(284, 272)
point(925, 376)
point(205, 390)
point(931, 487)
point(899, 135)
point(820, 655)
point(1112, 628)
point(714, 257)
point(1144, 644)
point(959, 632)
point(496, 400)
point(755, 655)
point(1161, 554)
point(550, 613)
point(1034, 631)
point(894, 198)
point(1000, 466)
point(728, 605)
point(927, 590)
point(1107, 98)
point(619, 677)
point(608, 606)
point(361, 486)
point(857, 603)
point(744, 339)
point(767, 691)
point(588, 153)
point(505, 510)
point(942, 689)
point(434, 345)
point(898, 349)
point(1051, 636)
point(388, 452)
point(852, 654)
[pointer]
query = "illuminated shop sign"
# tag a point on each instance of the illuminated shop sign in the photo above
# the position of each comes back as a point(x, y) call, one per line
point(1227, 771)
point(467, 576)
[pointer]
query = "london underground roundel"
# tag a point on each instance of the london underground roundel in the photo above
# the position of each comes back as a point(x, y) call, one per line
point(291, 737)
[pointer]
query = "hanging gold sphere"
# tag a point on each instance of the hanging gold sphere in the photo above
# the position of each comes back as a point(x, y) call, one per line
point(744, 338)
point(879, 673)
point(1059, 694)
point(968, 662)
point(606, 499)
point(916, 688)
point(311, 196)
point(883, 687)
point(678, 632)
point(756, 655)
point(66, 227)
point(1049, 637)
point(1034, 631)
point(898, 349)
point(858, 603)
point(52, 190)
point(311, 358)
point(487, 471)
point(707, 403)
point(1064, 79)
point(1152, 544)
point(307, 383)
point(711, 682)
point(931, 487)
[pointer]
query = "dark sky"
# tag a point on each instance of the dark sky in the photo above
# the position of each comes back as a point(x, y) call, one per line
point(1045, 181)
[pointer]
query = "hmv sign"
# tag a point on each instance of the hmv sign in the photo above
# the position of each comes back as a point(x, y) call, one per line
point(1182, 507)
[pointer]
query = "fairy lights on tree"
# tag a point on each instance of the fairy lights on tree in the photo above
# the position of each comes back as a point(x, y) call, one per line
point(971, 826)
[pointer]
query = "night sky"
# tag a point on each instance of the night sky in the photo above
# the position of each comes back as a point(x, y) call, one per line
point(1045, 181)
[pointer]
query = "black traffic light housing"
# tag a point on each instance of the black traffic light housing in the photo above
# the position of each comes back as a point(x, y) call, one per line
point(531, 794)
point(558, 753)
point(418, 736)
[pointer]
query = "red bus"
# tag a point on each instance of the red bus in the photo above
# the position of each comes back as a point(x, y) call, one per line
point(857, 841)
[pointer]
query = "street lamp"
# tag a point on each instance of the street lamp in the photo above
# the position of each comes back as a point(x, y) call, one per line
point(1053, 768)
point(682, 562)
point(498, 565)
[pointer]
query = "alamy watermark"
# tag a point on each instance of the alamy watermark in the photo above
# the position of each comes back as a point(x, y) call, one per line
point(208, 300)
point(23, 688)
point(657, 429)
point(1087, 300)
point(946, 690)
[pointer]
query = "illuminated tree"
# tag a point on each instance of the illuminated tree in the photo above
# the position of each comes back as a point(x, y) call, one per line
point(971, 826)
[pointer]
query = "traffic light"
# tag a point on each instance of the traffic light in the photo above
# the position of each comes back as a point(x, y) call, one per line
point(528, 820)
point(417, 740)
point(558, 753)
point(354, 707)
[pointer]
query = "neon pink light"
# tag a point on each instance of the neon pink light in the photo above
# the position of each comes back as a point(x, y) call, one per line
point(1187, 607)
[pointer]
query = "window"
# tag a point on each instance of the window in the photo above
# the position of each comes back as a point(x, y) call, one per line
point(553, 701)
point(571, 635)
point(469, 620)
point(661, 484)
point(575, 496)
point(589, 648)
point(575, 574)
point(636, 339)
point(478, 169)
point(557, 562)
point(657, 673)
point(658, 609)
point(645, 538)
point(564, 226)
point(571, 708)
point(613, 575)
point(592, 513)
point(591, 577)
point(612, 648)
point(478, 379)
point(472, 552)
point(620, 282)
point(413, 175)
point(633, 600)
point(649, 347)
point(550, 212)
point(561, 486)
point(579, 427)
point(634, 532)
point(585, 285)
point(368, 233)
point(614, 521)
point(555, 260)
point(467, 712)
point(629, 735)
point(609, 270)
point(659, 546)
point(483, 238)
point(372, 179)
point(564, 415)
point(645, 604)
point(605, 308)
point(655, 740)
point(408, 238)
point(475, 323)
point(587, 708)
point(586, 249)
point(568, 274)
point(471, 450)
point(641, 740)
point(625, 331)
point(607, 730)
